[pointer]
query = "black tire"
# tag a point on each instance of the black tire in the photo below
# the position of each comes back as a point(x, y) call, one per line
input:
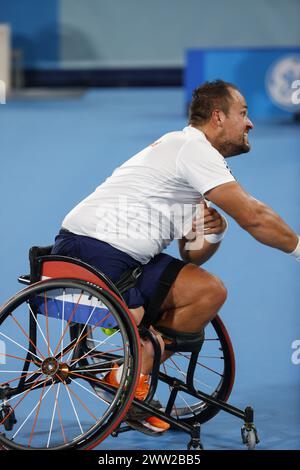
point(43, 297)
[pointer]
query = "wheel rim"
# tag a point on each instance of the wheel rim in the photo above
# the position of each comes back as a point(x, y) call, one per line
point(57, 407)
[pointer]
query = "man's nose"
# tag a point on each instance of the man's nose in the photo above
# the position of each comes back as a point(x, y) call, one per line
point(250, 123)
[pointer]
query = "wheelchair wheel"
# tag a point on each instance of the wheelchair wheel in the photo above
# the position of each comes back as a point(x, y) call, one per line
point(214, 375)
point(47, 378)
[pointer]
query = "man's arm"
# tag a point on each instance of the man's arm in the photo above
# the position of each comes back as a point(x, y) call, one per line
point(196, 256)
point(255, 217)
point(199, 250)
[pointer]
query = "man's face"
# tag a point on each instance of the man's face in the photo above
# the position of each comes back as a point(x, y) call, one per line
point(233, 139)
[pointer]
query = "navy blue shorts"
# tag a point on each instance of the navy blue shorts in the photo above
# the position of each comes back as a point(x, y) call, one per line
point(113, 263)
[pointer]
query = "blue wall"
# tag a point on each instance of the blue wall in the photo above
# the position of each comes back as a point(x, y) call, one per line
point(35, 30)
point(139, 33)
point(251, 70)
point(156, 33)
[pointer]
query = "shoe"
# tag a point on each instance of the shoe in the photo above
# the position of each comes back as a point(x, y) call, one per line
point(152, 422)
point(111, 377)
point(142, 421)
point(155, 424)
point(143, 386)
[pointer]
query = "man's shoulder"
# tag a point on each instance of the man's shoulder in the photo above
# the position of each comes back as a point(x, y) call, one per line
point(196, 143)
point(182, 138)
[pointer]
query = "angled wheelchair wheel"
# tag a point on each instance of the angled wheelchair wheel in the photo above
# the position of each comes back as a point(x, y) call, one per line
point(52, 391)
point(214, 375)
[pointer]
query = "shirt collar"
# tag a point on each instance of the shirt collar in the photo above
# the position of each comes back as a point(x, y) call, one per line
point(193, 130)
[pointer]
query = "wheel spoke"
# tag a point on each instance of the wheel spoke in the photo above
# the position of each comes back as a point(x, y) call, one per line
point(210, 369)
point(89, 391)
point(85, 335)
point(205, 367)
point(79, 337)
point(99, 381)
point(202, 357)
point(211, 357)
point(17, 357)
point(184, 401)
point(184, 374)
point(174, 406)
point(100, 344)
point(32, 411)
point(17, 372)
point(20, 377)
point(47, 322)
point(53, 413)
point(68, 324)
point(29, 339)
point(10, 339)
point(21, 393)
point(20, 401)
point(36, 415)
point(62, 325)
point(98, 354)
point(76, 396)
point(92, 370)
point(61, 424)
point(40, 329)
point(75, 412)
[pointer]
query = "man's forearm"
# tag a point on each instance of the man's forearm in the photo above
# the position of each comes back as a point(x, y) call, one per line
point(254, 216)
point(269, 228)
point(197, 256)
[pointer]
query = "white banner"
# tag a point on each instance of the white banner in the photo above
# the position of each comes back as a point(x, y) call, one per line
point(5, 61)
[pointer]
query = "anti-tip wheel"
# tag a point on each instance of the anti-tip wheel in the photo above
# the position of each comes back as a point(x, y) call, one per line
point(194, 446)
point(249, 438)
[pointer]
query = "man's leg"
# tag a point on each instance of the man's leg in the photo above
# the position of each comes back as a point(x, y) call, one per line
point(193, 301)
point(142, 422)
point(147, 348)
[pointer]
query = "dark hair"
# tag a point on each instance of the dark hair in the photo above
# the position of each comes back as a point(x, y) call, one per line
point(207, 97)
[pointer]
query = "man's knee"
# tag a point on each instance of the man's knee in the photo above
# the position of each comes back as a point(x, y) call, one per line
point(217, 290)
point(195, 286)
point(213, 291)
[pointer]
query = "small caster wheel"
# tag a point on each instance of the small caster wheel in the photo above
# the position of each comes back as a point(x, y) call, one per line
point(249, 437)
point(7, 416)
point(195, 446)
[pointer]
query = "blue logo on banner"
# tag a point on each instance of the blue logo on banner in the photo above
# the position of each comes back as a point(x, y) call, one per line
point(283, 82)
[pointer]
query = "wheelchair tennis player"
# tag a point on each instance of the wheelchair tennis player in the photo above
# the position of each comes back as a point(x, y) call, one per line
point(162, 193)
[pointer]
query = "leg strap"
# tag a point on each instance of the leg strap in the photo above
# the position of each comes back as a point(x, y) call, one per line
point(176, 341)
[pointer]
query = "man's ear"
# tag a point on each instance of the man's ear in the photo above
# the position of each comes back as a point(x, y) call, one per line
point(218, 117)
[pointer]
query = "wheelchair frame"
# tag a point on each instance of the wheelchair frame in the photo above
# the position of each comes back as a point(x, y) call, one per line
point(66, 270)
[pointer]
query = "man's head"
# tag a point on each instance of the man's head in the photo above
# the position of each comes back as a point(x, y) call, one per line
point(220, 111)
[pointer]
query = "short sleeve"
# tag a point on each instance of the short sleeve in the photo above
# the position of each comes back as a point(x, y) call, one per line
point(202, 166)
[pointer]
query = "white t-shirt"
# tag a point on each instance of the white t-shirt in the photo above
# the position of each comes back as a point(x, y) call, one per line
point(151, 199)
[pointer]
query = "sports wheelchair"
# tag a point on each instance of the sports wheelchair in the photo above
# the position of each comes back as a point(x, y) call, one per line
point(61, 335)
